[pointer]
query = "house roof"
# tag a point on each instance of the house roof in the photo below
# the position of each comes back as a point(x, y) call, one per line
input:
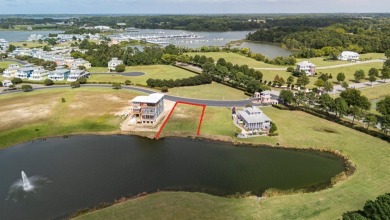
point(349, 53)
point(259, 118)
point(305, 63)
point(152, 98)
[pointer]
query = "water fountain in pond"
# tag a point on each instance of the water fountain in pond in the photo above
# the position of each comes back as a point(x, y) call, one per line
point(26, 183)
point(22, 187)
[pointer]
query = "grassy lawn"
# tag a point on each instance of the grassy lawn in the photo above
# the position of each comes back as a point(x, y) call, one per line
point(5, 64)
point(155, 71)
point(372, 56)
point(349, 71)
point(42, 113)
point(29, 44)
point(319, 61)
point(376, 92)
point(214, 91)
point(369, 154)
point(237, 59)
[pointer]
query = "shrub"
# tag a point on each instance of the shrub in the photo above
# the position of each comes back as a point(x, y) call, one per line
point(1, 84)
point(128, 82)
point(290, 69)
point(16, 81)
point(48, 82)
point(27, 88)
point(116, 86)
point(273, 128)
point(82, 80)
point(63, 100)
point(164, 89)
point(120, 68)
point(75, 84)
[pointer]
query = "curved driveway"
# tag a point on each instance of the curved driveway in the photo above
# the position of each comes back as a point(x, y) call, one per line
point(219, 103)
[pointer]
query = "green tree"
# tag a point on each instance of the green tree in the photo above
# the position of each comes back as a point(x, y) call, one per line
point(290, 69)
point(82, 80)
point(385, 74)
point(120, 68)
point(287, 96)
point(128, 82)
point(387, 53)
point(370, 120)
point(359, 75)
point(340, 77)
point(221, 61)
point(48, 82)
point(11, 48)
point(340, 106)
point(75, 84)
point(27, 88)
point(16, 81)
point(164, 89)
point(383, 106)
point(326, 102)
point(344, 85)
point(303, 80)
point(116, 85)
point(371, 78)
point(290, 80)
point(82, 67)
point(328, 86)
point(273, 128)
point(373, 72)
point(319, 83)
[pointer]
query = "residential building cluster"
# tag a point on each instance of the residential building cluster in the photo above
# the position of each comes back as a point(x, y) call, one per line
point(3, 45)
point(32, 72)
point(61, 38)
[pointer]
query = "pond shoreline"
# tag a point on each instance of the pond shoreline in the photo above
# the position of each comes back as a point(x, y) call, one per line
point(349, 168)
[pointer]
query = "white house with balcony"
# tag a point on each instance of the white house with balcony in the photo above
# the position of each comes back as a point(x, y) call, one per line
point(39, 73)
point(146, 109)
point(60, 74)
point(306, 66)
point(113, 63)
point(254, 119)
point(349, 55)
point(75, 74)
point(25, 72)
point(11, 71)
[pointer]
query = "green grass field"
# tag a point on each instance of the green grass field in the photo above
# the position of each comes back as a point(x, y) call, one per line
point(5, 64)
point(155, 72)
point(42, 113)
point(369, 154)
point(214, 91)
point(28, 44)
point(349, 72)
point(376, 92)
point(237, 59)
point(319, 61)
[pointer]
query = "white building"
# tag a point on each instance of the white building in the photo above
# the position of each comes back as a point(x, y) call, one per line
point(11, 71)
point(39, 73)
point(25, 72)
point(349, 55)
point(102, 28)
point(80, 62)
point(7, 83)
point(75, 74)
point(3, 45)
point(113, 63)
point(60, 74)
point(254, 119)
point(307, 66)
point(146, 109)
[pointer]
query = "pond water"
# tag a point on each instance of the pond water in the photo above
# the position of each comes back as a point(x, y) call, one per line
point(84, 171)
point(14, 36)
point(268, 50)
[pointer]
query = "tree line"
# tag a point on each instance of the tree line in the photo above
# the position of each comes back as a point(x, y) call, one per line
point(362, 36)
point(190, 81)
point(373, 209)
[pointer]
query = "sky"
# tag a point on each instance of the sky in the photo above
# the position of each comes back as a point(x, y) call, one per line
point(190, 6)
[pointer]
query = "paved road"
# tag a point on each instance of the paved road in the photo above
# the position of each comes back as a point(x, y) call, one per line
point(331, 67)
point(219, 103)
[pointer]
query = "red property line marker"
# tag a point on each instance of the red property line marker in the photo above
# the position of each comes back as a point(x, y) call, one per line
point(170, 113)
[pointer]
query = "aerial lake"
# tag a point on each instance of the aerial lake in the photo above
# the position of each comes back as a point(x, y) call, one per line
point(69, 174)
